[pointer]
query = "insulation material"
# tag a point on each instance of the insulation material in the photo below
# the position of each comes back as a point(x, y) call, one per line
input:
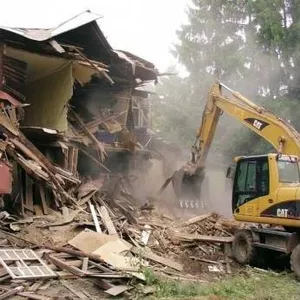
point(48, 99)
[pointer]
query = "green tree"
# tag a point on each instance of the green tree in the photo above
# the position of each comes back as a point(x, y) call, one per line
point(251, 45)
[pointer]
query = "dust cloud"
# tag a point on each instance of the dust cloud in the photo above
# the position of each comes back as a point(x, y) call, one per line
point(215, 195)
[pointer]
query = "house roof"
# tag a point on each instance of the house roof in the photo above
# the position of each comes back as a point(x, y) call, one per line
point(41, 34)
point(84, 32)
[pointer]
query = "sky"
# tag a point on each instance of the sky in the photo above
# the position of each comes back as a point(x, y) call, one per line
point(146, 28)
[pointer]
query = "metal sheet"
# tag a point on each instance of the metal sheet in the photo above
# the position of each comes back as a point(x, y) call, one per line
point(46, 34)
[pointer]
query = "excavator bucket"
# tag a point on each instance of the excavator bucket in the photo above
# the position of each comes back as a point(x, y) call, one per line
point(186, 184)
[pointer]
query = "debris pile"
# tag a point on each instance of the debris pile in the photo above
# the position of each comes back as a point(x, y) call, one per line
point(71, 107)
point(108, 242)
point(74, 120)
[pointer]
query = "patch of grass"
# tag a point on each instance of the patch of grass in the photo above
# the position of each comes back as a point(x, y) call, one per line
point(252, 285)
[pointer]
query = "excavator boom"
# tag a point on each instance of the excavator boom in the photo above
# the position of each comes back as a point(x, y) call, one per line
point(279, 133)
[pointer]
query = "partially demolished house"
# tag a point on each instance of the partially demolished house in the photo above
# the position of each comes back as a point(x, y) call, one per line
point(71, 109)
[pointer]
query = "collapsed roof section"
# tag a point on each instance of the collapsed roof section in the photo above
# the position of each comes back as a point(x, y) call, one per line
point(83, 34)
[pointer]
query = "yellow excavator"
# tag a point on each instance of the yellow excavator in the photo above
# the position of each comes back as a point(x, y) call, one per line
point(266, 188)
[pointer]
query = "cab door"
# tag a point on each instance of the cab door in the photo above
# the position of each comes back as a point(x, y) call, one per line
point(251, 185)
point(245, 188)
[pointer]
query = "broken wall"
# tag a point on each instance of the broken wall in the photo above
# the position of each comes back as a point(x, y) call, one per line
point(48, 102)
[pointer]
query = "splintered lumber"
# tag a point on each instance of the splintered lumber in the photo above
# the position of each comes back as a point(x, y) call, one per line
point(227, 264)
point(64, 266)
point(117, 290)
point(79, 294)
point(95, 219)
point(89, 134)
point(92, 63)
point(85, 263)
point(107, 220)
point(76, 253)
point(12, 292)
point(43, 199)
point(197, 219)
point(204, 260)
point(203, 238)
point(151, 223)
point(148, 254)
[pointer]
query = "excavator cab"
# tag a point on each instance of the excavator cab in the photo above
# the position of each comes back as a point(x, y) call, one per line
point(264, 187)
point(251, 180)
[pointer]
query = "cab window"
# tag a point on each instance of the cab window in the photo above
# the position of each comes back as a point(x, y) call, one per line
point(251, 180)
point(288, 171)
point(245, 188)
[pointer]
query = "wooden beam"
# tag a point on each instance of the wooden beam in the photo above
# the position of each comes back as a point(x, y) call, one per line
point(148, 254)
point(78, 253)
point(102, 72)
point(1, 64)
point(29, 194)
point(107, 220)
point(89, 134)
point(43, 199)
point(94, 215)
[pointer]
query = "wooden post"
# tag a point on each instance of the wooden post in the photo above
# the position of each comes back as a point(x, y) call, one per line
point(1, 63)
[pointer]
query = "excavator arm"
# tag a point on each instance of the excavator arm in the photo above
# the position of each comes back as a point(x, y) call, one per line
point(279, 133)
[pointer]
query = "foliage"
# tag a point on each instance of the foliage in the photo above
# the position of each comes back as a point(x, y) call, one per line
point(251, 284)
point(175, 110)
point(254, 47)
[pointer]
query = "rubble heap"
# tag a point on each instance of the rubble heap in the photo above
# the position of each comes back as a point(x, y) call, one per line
point(108, 243)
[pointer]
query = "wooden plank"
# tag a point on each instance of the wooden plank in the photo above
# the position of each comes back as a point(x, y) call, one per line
point(34, 296)
point(89, 241)
point(38, 210)
point(70, 159)
point(151, 223)
point(64, 266)
point(197, 219)
point(21, 185)
point(4, 278)
point(89, 134)
point(76, 253)
point(29, 194)
point(27, 294)
point(85, 263)
point(1, 64)
point(107, 220)
point(148, 254)
point(43, 199)
point(203, 238)
point(117, 290)
point(65, 212)
point(75, 161)
point(12, 292)
point(94, 65)
point(78, 294)
point(95, 219)
point(205, 260)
